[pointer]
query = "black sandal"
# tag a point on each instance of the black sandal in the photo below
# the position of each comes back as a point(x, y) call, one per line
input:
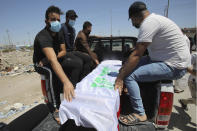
point(131, 120)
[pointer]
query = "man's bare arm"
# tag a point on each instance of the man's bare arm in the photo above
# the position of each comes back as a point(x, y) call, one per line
point(57, 68)
point(133, 60)
point(62, 51)
point(191, 71)
point(85, 44)
point(131, 63)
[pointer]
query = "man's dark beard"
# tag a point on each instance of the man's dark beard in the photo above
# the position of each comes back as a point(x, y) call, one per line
point(137, 26)
point(87, 34)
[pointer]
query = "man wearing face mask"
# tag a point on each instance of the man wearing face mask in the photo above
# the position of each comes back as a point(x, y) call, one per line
point(69, 30)
point(49, 51)
point(69, 37)
point(69, 34)
point(168, 58)
point(83, 50)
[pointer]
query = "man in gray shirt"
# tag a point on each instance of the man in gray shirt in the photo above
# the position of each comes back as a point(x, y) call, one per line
point(168, 58)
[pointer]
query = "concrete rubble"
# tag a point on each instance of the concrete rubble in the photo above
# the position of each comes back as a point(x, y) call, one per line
point(11, 110)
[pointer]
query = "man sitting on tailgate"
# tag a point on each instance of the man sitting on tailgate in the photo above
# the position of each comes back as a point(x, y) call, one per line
point(49, 51)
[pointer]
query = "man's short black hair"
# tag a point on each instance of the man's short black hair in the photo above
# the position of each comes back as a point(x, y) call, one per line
point(86, 24)
point(136, 9)
point(52, 9)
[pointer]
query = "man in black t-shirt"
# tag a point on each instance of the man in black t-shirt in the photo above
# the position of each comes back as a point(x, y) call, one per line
point(50, 51)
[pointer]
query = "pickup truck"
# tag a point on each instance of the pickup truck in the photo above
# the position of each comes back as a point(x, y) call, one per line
point(157, 96)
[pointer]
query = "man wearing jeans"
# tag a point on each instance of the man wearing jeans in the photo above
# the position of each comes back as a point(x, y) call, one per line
point(168, 58)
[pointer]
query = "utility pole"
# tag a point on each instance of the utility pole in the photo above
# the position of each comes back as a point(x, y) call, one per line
point(111, 23)
point(4, 38)
point(167, 8)
point(165, 11)
point(8, 37)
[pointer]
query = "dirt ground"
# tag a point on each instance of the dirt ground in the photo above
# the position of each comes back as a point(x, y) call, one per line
point(24, 89)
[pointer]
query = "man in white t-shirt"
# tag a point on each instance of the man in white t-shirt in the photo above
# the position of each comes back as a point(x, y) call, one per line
point(169, 56)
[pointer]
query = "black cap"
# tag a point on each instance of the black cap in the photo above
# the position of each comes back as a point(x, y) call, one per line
point(71, 13)
point(136, 7)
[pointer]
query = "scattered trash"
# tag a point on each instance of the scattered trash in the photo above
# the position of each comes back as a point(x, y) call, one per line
point(16, 108)
point(16, 63)
point(11, 110)
point(16, 74)
point(16, 68)
point(3, 102)
point(10, 113)
point(1, 115)
point(8, 69)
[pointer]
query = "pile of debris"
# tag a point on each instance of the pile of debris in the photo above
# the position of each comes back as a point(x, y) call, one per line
point(11, 110)
point(16, 62)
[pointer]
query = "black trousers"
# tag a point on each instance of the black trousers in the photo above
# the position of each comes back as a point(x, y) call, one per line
point(76, 66)
point(72, 66)
point(88, 63)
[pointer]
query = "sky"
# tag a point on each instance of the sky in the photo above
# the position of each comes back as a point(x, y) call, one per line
point(21, 20)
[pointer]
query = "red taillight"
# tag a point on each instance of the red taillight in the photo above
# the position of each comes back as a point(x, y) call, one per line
point(118, 114)
point(165, 109)
point(166, 101)
point(44, 92)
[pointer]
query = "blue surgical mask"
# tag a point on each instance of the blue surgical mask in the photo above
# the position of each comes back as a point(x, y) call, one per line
point(55, 26)
point(71, 23)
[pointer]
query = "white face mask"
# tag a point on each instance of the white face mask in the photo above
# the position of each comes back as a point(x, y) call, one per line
point(71, 23)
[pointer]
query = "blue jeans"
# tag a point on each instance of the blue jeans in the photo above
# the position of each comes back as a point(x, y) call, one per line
point(147, 71)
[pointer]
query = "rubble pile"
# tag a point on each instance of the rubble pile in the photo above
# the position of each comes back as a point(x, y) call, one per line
point(16, 62)
point(11, 110)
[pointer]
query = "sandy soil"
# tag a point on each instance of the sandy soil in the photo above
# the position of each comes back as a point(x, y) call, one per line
point(25, 89)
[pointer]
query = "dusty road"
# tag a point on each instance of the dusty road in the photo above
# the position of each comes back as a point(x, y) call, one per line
point(183, 120)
